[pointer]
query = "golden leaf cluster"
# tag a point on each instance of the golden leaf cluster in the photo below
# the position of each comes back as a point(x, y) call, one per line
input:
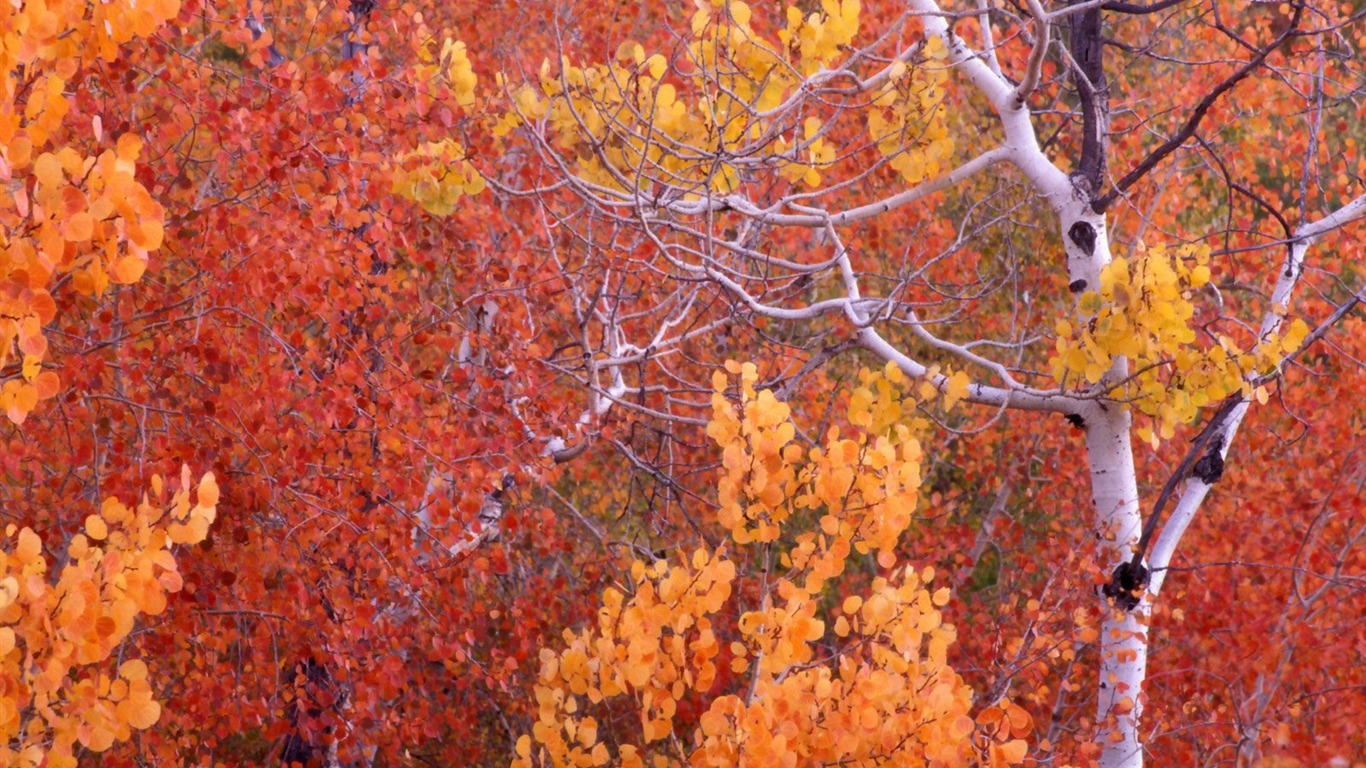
point(1143, 311)
point(729, 107)
point(64, 212)
point(56, 636)
point(808, 681)
point(435, 176)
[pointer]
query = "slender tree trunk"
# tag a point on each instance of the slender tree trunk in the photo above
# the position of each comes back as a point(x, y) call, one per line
point(1124, 633)
point(1114, 491)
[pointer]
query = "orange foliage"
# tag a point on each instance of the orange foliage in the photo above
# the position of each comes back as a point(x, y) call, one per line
point(368, 374)
point(872, 688)
point(58, 631)
point(67, 213)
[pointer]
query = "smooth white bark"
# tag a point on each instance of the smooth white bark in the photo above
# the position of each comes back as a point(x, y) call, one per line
point(1195, 489)
point(1117, 519)
point(1124, 634)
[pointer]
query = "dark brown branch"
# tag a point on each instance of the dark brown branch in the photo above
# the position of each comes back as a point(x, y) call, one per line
point(1201, 109)
point(1134, 9)
point(1245, 192)
point(1088, 50)
point(1201, 452)
point(1204, 460)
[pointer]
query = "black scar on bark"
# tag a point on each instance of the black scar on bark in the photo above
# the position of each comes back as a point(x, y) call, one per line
point(1126, 585)
point(1210, 467)
point(1076, 420)
point(1084, 235)
point(1076, 286)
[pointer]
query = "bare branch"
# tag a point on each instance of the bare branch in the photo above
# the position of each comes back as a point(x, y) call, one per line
point(1192, 123)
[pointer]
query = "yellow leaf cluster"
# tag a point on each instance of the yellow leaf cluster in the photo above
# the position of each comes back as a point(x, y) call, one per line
point(64, 212)
point(710, 118)
point(459, 72)
point(904, 119)
point(864, 487)
point(57, 635)
point(450, 66)
point(436, 175)
point(861, 683)
point(658, 645)
point(818, 152)
point(885, 696)
point(1144, 312)
point(819, 37)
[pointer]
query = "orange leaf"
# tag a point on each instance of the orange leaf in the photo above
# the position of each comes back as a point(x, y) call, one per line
point(96, 528)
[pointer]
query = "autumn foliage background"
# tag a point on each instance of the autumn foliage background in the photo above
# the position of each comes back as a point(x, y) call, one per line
point(221, 253)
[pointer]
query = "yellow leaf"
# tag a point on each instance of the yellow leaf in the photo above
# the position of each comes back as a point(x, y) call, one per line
point(78, 228)
point(588, 732)
point(29, 548)
point(133, 669)
point(657, 65)
point(129, 146)
point(128, 269)
point(1012, 752)
point(741, 14)
point(47, 169)
point(955, 389)
point(9, 591)
point(1294, 336)
point(841, 628)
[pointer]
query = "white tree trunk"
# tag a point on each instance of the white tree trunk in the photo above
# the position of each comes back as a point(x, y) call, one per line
point(1114, 486)
point(1117, 520)
point(1124, 634)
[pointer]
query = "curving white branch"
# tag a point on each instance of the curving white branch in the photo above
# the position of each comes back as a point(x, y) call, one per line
point(1015, 118)
point(1196, 489)
point(1034, 66)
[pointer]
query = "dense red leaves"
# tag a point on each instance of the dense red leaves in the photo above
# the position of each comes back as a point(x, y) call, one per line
point(361, 376)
